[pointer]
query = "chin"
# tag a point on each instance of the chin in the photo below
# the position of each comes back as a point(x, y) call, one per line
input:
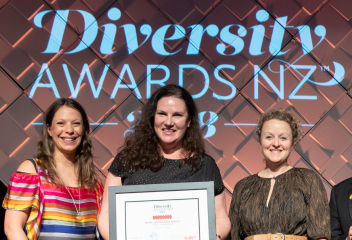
point(276, 161)
point(170, 143)
point(69, 150)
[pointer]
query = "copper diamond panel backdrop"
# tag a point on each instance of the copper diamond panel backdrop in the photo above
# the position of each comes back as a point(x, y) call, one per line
point(237, 58)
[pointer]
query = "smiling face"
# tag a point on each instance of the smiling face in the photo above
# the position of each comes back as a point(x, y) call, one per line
point(171, 122)
point(66, 130)
point(276, 141)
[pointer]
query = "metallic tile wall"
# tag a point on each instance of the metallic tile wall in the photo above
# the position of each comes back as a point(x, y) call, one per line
point(320, 69)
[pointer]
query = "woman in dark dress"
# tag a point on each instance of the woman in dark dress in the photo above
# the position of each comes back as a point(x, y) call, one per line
point(166, 147)
point(280, 202)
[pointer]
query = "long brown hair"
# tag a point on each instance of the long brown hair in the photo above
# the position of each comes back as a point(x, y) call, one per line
point(83, 155)
point(140, 149)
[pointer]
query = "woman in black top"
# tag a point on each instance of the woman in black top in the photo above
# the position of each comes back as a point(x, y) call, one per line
point(341, 210)
point(166, 147)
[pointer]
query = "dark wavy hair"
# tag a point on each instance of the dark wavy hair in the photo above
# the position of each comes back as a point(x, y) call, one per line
point(140, 149)
point(83, 156)
point(282, 115)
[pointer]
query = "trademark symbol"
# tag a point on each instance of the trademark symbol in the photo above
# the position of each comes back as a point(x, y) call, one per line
point(324, 68)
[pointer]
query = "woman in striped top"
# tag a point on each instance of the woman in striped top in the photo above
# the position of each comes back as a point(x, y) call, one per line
point(56, 196)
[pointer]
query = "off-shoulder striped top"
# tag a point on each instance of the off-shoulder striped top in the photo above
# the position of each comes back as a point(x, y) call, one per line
point(53, 208)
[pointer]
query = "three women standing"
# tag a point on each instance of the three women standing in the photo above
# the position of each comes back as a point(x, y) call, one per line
point(58, 194)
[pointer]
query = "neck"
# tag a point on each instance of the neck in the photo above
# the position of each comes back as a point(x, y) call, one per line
point(66, 170)
point(64, 164)
point(273, 170)
point(172, 152)
point(64, 158)
point(275, 166)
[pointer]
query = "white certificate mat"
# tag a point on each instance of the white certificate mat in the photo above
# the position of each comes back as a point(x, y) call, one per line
point(177, 211)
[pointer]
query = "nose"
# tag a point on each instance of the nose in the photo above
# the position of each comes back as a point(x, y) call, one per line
point(69, 128)
point(276, 142)
point(168, 121)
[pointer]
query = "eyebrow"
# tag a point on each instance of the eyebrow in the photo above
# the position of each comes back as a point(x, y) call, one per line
point(179, 112)
point(279, 134)
point(61, 119)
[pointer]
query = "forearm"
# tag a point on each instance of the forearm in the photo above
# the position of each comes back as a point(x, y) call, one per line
point(103, 226)
point(223, 224)
point(103, 219)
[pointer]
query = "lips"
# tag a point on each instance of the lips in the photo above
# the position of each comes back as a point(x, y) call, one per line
point(275, 150)
point(69, 139)
point(168, 131)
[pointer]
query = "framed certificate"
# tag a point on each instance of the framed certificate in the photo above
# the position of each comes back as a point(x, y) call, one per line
point(175, 211)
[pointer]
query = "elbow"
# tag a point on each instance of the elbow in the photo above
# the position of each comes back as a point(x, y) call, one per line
point(7, 230)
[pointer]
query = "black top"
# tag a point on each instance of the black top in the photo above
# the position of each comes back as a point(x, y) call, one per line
point(172, 172)
point(298, 206)
point(341, 209)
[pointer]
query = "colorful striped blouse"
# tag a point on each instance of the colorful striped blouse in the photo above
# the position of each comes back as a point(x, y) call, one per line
point(54, 210)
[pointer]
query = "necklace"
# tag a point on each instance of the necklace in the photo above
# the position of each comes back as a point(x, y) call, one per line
point(78, 210)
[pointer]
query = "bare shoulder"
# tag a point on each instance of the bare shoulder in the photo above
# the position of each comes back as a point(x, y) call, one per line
point(26, 167)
